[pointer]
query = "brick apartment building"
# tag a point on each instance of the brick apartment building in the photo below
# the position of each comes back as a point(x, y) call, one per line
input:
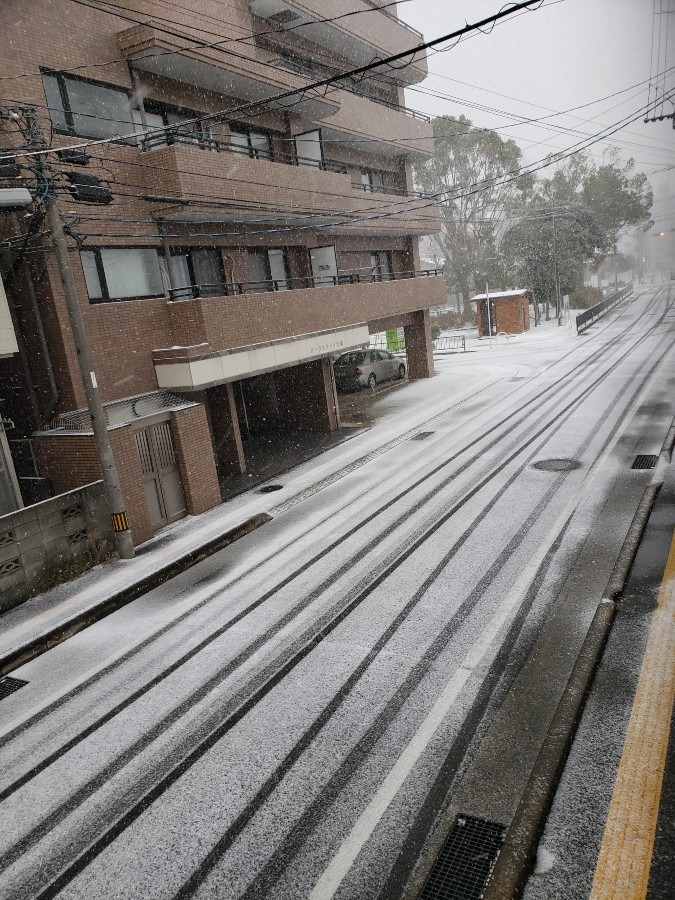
point(220, 262)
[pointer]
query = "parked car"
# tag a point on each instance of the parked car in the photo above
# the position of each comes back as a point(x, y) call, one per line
point(366, 368)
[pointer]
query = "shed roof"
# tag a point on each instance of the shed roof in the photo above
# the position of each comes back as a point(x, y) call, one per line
point(502, 295)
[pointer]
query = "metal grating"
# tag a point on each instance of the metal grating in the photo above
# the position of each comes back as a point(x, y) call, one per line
point(466, 860)
point(422, 436)
point(645, 461)
point(9, 685)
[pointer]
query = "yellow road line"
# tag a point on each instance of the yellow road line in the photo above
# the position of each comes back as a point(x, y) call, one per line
point(626, 851)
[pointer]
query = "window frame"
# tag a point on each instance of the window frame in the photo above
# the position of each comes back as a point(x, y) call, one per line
point(61, 81)
point(159, 108)
point(103, 282)
point(187, 252)
point(368, 186)
point(376, 270)
point(161, 254)
point(248, 130)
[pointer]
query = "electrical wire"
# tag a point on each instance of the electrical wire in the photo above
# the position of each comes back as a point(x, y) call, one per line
point(325, 82)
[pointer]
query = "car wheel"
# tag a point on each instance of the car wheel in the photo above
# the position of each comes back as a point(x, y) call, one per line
point(372, 381)
point(401, 371)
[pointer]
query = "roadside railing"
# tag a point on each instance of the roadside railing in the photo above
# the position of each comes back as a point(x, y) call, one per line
point(228, 289)
point(588, 317)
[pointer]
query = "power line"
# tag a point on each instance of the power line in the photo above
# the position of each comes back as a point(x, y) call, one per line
point(325, 82)
point(476, 188)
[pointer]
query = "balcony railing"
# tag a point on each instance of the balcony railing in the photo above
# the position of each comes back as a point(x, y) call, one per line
point(385, 12)
point(205, 141)
point(229, 289)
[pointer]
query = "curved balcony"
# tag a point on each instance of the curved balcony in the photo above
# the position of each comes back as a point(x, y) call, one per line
point(186, 58)
point(359, 37)
point(188, 184)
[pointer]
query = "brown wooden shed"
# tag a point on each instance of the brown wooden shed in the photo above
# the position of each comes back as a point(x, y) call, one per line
point(509, 312)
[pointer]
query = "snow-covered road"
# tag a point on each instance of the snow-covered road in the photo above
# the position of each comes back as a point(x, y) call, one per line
point(272, 722)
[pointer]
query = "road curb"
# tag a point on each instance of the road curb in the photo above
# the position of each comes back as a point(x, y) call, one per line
point(518, 853)
point(61, 632)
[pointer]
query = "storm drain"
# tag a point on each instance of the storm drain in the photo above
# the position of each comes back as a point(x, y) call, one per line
point(422, 435)
point(644, 461)
point(466, 860)
point(269, 488)
point(9, 685)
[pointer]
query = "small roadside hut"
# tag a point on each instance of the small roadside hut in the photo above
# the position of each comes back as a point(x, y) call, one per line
point(509, 312)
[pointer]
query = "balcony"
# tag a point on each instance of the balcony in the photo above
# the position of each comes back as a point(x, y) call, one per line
point(375, 128)
point(189, 59)
point(358, 38)
point(186, 183)
point(215, 336)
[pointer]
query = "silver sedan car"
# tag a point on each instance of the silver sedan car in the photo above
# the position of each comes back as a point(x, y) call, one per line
point(366, 368)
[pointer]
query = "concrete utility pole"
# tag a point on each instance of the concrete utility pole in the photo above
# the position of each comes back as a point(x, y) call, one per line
point(123, 541)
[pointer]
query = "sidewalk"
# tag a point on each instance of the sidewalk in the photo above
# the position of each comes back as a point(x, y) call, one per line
point(610, 832)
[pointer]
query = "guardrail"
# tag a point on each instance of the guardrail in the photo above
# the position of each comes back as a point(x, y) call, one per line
point(586, 319)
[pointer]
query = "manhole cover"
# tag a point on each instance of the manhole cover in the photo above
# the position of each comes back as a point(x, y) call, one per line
point(557, 465)
point(269, 488)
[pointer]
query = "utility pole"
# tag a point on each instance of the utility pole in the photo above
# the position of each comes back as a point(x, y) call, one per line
point(26, 121)
point(123, 540)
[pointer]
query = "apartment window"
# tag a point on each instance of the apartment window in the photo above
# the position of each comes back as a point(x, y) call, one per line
point(251, 142)
point(270, 270)
point(122, 273)
point(85, 108)
point(371, 180)
point(196, 272)
point(159, 117)
point(308, 149)
point(380, 265)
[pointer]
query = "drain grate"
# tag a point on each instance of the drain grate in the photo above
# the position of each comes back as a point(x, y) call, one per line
point(466, 860)
point(645, 461)
point(422, 435)
point(9, 685)
point(268, 488)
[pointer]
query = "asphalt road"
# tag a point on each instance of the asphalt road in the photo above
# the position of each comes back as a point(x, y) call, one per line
point(285, 719)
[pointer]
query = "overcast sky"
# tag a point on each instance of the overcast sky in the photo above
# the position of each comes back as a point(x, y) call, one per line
point(560, 56)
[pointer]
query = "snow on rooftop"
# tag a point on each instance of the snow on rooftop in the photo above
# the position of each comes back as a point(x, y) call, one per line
point(501, 295)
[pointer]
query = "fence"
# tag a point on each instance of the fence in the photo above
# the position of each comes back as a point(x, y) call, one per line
point(451, 342)
point(445, 343)
point(43, 544)
point(587, 318)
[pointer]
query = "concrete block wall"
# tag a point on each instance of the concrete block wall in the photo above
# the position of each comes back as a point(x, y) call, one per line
point(51, 541)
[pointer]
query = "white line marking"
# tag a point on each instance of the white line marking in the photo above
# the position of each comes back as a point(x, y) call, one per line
point(341, 863)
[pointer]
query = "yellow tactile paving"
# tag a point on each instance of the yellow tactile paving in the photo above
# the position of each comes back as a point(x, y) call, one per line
point(625, 854)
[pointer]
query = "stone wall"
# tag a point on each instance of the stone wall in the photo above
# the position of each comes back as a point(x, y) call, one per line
point(52, 541)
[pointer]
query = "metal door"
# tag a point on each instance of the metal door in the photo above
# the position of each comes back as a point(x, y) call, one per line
point(161, 477)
